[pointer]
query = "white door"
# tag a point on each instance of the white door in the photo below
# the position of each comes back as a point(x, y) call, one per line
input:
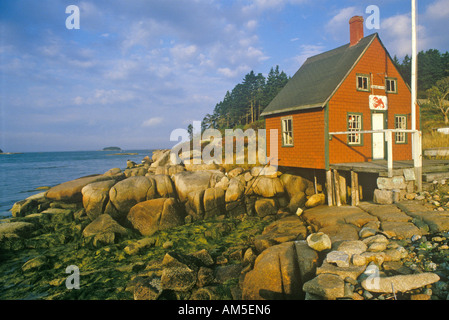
point(378, 138)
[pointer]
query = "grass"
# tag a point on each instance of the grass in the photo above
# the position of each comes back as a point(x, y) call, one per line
point(430, 120)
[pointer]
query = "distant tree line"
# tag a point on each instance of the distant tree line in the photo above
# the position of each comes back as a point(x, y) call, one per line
point(432, 67)
point(243, 105)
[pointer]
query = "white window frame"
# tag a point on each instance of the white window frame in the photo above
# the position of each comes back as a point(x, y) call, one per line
point(355, 123)
point(287, 131)
point(367, 81)
point(388, 82)
point(400, 122)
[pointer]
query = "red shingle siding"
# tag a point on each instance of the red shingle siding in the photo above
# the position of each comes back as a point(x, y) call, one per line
point(309, 127)
point(308, 139)
point(375, 61)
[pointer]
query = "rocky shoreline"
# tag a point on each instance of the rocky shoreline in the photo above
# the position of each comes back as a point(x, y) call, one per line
point(161, 231)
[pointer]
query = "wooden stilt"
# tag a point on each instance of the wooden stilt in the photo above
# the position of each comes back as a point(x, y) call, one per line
point(337, 188)
point(315, 184)
point(330, 193)
point(354, 189)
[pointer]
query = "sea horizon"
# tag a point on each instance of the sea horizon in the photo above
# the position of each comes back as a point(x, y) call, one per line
point(24, 173)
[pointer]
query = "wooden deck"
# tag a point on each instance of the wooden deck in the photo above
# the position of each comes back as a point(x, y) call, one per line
point(431, 168)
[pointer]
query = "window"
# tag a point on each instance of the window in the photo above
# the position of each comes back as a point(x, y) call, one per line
point(287, 131)
point(400, 122)
point(391, 85)
point(354, 125)
point(363, 82)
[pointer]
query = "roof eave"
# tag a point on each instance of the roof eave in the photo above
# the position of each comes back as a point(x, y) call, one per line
point(292, 109)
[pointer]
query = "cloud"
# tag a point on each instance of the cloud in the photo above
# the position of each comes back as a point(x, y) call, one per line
point(308, 51)
point(338, 25)
point(152, 121)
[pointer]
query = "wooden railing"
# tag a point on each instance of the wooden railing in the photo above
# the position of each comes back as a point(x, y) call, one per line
point(417, 147)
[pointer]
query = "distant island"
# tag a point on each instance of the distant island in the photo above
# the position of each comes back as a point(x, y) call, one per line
point(112, 149)
point(7, 153)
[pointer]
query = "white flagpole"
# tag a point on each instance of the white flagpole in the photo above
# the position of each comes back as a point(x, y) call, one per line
point(414, 73)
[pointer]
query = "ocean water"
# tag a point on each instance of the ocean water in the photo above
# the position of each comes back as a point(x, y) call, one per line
point(21, 174)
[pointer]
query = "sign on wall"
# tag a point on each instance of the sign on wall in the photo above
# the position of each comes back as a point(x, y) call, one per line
point(378, 102)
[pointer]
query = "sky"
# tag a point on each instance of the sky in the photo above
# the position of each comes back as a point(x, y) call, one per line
point(135, 70)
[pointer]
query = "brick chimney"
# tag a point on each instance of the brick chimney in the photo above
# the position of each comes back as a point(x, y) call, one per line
point(355, 30)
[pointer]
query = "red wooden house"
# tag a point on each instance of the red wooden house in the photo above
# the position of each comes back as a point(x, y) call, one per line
point(352, 88)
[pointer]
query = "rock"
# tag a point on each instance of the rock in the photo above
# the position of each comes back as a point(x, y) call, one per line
point(24, 207)
point(235, 172)
point(316, 200)
point(297, 201)
point(160, 158)
point(265, 207)
point(223, 183)
point(204, 257)
point(226, 273)
point(130, 164)
point(70, 191)
point(157, 214)
point(19, 229)
point(164, 186)
point(383, 196)
point(136, 247)
point(205, 277)
point(352, 271)
point(293, 184)
point(276, 275)
point(167, 169)
point(340, 258)
point(400, 283)
point(96, 197)
point(127, 193)
point(195, 204)
point(103, 224)
point(178, 279)
point(280, 231)
point(113, 172)
point(267, 171)
point(188, 181)
point(147, 289)
point(358, 260)
point(397, 182)
point(214, 202)
point(377, 247)
point(400, 230)
point(319, 241)
point(352, 247)
point(327, 286)
point(299, 212)
point(265, 187)
point(235, 190)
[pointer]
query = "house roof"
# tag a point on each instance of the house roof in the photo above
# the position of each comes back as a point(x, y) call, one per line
point(318, 78)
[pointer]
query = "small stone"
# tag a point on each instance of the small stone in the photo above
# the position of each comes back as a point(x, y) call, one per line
point(411, 196)
point(358, 260)
point(377, 247)
point(299, 212)
point(340, 258)
point(328, 286)
point(367, 232)
point(367, 295)
point(319, 241)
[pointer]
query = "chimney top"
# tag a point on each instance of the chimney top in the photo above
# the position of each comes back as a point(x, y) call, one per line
point(355, 30)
